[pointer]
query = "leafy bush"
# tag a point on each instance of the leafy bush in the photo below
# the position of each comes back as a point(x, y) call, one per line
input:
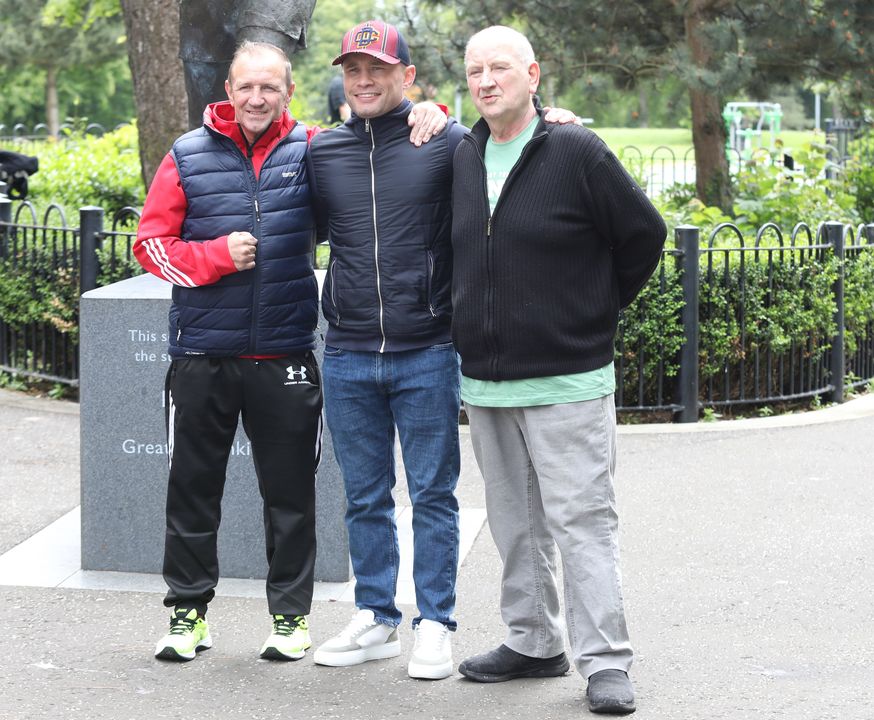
point(760, 313)
point(767, 192)
point(81, 170)
point(651, 330)
point(858, 297)
point(33, 290)
point(766, 304)
point(116, 261)
point(860, 176)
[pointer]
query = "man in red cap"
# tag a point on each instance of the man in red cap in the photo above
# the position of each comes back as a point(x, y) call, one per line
point(389, 361)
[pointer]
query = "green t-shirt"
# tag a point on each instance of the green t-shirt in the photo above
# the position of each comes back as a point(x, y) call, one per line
point(551, 390)
point(500, 159)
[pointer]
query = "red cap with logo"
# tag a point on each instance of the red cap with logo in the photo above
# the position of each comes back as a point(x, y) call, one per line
point(376, 38)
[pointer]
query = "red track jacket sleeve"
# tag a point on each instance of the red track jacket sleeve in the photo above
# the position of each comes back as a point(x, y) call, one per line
point(158, 246)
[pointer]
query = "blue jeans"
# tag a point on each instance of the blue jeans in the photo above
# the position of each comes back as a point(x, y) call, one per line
point(367, 394)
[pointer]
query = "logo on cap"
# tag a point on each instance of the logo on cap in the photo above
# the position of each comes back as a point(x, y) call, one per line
point(366, 36)
point(376, 38)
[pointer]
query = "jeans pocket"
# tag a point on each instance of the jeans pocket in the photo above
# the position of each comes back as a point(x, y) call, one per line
point(440, 347)
point(331, 351)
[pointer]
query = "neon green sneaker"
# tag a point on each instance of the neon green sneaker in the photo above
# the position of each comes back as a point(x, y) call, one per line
point(188, 635)
point(289, 640)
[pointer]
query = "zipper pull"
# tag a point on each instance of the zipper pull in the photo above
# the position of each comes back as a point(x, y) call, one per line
point(367, 125)
point(489, 227)
point(257, 211)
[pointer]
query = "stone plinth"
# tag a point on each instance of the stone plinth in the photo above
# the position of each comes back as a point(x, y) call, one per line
point(123, 363)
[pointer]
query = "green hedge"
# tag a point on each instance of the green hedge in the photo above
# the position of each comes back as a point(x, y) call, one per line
point(33, 290)
point(766, 192)
point(766, 304)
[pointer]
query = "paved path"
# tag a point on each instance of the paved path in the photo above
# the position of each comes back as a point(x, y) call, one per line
point(748, 562)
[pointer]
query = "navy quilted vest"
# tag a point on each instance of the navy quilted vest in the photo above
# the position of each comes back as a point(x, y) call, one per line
point(272, 309)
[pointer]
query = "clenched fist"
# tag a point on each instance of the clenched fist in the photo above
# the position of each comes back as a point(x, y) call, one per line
point(242, 247)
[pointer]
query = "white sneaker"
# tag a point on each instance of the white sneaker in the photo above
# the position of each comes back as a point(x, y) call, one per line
point(361, 640)
point(432, 654)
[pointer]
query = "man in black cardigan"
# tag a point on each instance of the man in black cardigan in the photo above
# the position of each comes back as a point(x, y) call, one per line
point(551, 237)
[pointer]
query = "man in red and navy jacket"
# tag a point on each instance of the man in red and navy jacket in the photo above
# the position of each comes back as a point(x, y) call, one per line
point(227, 220)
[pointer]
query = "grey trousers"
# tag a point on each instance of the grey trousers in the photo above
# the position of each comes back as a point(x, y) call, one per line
point(548, 474)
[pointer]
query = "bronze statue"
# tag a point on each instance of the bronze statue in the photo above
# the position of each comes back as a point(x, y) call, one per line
point(210, 31)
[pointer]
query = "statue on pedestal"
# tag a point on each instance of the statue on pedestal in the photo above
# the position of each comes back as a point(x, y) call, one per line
point(210, 31)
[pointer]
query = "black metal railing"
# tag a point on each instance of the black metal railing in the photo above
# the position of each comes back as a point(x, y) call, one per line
point(663, 167)
point(755, 370)
point(45, 265)
point(724, 323)
point(762, 322)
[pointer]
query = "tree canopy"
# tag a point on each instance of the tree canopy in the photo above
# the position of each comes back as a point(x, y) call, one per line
point(706, 51)
point(54, 54)
point(716, 48)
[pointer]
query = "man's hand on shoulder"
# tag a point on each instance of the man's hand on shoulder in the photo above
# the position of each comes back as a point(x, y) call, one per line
point(560, 116)
point(241, 246)
point(426, 119)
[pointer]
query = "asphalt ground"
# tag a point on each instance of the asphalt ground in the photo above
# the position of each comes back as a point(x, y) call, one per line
point(748, 573)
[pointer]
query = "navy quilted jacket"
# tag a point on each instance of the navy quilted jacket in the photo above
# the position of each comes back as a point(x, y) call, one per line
point(386, 205)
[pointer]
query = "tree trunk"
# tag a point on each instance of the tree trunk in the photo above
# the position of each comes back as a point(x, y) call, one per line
point(159, 86)
point(52, 113)
point(642, 106)
point(712, 179)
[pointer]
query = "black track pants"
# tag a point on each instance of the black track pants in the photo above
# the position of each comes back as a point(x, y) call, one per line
point(281, 403)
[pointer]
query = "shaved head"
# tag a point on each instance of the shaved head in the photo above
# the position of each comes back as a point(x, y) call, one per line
point(507, 36)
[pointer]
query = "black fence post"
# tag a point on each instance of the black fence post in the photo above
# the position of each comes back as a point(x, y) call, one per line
point(834, 236)
point(6, 220)
point(686, 240)
point(5, 210)
point(90, 238)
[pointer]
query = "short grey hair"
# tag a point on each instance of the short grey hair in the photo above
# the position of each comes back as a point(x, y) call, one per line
point(252, 47)
point(520, 44)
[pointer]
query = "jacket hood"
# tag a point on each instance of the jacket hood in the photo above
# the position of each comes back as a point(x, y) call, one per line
point(220, 116)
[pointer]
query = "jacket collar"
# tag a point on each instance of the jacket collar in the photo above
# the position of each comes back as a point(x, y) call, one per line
point(390, 120)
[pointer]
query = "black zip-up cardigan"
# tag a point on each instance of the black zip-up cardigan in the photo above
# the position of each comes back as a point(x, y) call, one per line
point(537, 286)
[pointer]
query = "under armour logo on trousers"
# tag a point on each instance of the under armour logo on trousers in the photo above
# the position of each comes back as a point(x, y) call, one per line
point(297, 375)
